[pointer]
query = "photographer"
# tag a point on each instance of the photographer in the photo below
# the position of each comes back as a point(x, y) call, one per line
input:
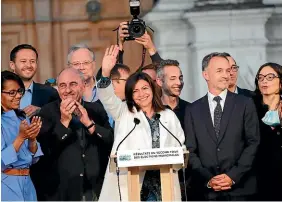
point(144, 40)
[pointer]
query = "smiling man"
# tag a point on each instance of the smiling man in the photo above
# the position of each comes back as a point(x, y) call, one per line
point(82, 58)
point(23, 62)
point(222, 136)
point(170, 79)
point(76, 139)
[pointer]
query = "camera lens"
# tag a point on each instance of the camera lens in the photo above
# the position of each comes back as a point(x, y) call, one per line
point(136, 29)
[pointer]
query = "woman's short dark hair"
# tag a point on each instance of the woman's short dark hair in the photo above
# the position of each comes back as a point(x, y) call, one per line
point(130, 85)
point(277, 68)
point(10, 76)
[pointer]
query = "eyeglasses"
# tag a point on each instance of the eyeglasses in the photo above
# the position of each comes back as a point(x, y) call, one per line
point(269, 77)
point(78, 64)
point(234, 68)
point(13, 93)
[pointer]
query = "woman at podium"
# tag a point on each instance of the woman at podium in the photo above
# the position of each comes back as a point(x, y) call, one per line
point(144, 114)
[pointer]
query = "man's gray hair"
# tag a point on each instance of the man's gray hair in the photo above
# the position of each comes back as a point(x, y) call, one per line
point(77, 47)
point(162, 64)
point(76, 71)
point(207, 59)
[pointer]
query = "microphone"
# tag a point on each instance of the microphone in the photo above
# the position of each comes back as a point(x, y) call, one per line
point(136, 122)
point(158, 116)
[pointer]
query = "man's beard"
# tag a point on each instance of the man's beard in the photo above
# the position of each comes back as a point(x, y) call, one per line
point(24, 78)
point(168, 92)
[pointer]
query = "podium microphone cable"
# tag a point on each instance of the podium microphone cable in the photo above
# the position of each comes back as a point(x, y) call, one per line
point(136, 122)
point(185, 186)
point(117, 172)
point(183, 169)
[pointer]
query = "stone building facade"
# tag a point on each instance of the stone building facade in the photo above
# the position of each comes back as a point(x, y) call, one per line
point(250, 30)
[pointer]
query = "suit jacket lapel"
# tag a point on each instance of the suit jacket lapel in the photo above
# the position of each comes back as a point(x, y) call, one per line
point(227, 112)
point(35, 100)
point(239, 90)
point(206, 114)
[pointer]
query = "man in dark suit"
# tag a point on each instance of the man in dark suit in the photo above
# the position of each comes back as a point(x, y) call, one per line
point(222, 135)
point(76, 140)
point(234, 77)
point(23, 62)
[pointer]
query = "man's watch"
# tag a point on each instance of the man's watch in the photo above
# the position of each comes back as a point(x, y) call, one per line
point(91, 125)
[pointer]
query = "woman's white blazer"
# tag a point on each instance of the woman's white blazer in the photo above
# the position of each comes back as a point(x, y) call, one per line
point(140, 138)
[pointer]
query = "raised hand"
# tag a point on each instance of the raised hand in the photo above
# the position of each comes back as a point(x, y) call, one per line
point(147, 42)
point(109, 60)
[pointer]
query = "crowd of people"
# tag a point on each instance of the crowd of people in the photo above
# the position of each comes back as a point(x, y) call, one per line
point(56, 138)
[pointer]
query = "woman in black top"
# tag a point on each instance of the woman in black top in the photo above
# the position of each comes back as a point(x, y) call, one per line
point(269, 158)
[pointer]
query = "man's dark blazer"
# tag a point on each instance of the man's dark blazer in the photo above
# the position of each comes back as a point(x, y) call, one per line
point(43, 94)
point(245, 92)
point(57, 175)
point(232, 153)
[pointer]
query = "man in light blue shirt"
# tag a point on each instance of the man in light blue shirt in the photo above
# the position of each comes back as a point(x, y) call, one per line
point(27, 97)
point(82, 58)
point(23, 62)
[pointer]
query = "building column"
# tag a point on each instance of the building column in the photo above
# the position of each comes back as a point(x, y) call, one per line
point(171, 36)
point(273, 30)
point(239, 32)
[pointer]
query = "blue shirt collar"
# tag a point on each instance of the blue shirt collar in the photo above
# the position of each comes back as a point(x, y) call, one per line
point(30, 88)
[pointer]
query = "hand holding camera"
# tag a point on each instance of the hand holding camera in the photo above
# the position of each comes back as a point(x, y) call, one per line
point(147, 42)
point(122, 34)
point(136, 27)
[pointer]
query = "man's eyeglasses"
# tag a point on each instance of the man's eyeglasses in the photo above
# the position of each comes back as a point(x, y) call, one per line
point(234, 68)
point(13, 93)
point(78, 64)
point(269, 77)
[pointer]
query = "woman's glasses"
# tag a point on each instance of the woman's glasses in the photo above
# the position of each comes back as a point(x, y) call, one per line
point(13, 93)
point(269, 77)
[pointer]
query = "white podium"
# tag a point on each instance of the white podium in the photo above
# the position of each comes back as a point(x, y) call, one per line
point(164, 159)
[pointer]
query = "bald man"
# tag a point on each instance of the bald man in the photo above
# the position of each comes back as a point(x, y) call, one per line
point(76, 139)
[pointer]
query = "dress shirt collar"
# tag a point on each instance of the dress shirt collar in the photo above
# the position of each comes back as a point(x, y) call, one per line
point(30, 88)
point(223, 95)
point(236, 90)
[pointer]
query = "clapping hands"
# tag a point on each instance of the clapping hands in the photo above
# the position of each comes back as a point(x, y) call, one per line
point(30, 131)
